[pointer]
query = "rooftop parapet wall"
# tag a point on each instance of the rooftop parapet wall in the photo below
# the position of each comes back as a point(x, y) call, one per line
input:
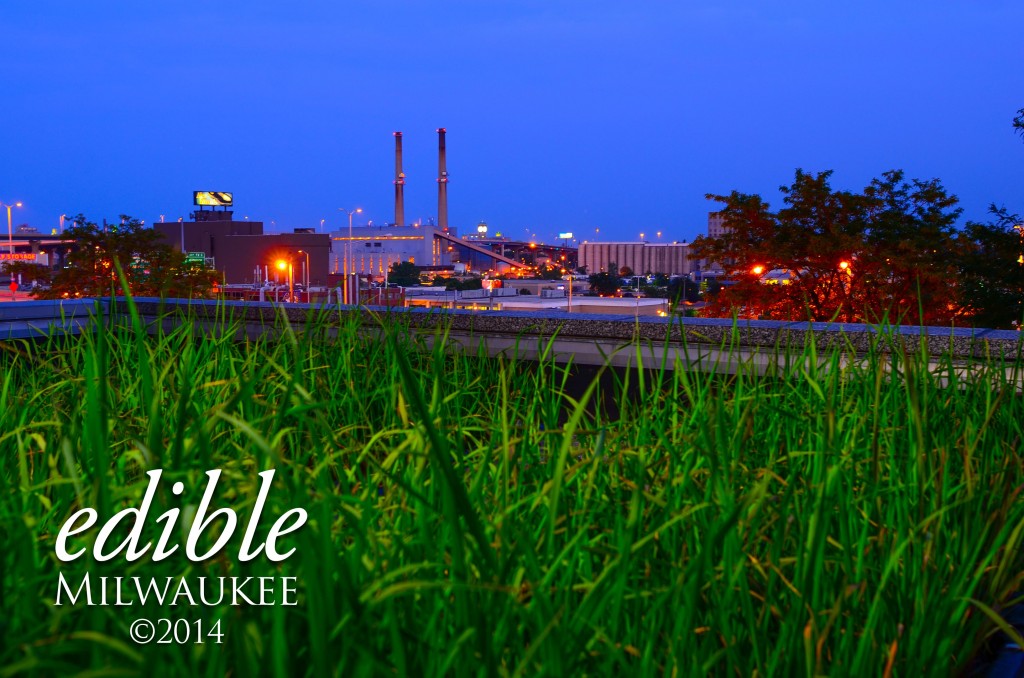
point(765, 334)
point(29, 319)
point(37, 318)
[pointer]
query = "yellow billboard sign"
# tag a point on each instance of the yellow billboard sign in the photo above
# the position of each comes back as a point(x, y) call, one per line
point(212, 198)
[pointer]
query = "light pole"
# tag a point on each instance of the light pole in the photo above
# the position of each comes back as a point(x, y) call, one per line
point(62, 218)
point(281, 266)
point(10, 231)
point(636, 300)
point(348, 247)
point(306, 270)
point(181, 223)
point(569, 310)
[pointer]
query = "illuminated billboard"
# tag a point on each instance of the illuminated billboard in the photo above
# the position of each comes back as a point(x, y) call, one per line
point(212, 198)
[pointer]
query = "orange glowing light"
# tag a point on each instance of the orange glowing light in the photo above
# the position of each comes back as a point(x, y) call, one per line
point(281, 265)
point(757, 270)
point(843, 265)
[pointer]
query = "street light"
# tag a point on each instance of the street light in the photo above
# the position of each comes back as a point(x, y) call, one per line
point(348, 249)
point(10, 231)
point(306, 270)
point(757, 270)
point(281, 266)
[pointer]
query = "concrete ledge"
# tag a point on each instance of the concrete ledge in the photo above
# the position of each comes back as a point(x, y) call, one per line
point(616, 330)
point(32, 319)
point(577, 335)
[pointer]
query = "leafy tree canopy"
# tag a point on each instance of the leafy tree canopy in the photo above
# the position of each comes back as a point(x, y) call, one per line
point(991, 264)
point(832, 254)
point(404, 274)
point(605, 283)
point(149, 266)
point(683, 289)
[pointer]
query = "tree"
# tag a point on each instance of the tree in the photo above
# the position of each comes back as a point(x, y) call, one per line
point(626, 272)
point(853, 256)
point(149, 267)
point(1018, 123)
point(744, 245)
point(905, 264)
point(404, 274)
point(992, 270)
point(604, 283)
point(683, 289)
point(654, 292)
point(473, 283)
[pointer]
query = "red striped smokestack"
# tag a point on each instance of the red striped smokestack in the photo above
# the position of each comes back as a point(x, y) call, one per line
point(442, 183)
point(399, 182)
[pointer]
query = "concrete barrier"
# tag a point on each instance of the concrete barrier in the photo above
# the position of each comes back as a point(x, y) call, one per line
point(35, 319)
point(592, 339)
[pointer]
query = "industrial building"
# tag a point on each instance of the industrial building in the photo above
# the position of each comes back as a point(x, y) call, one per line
point(642, 257)
point(716, 225)
point(371, 250)
point(243, 253)
point(716, 229)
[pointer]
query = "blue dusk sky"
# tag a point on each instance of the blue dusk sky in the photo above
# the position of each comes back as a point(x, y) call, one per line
point(561, 115)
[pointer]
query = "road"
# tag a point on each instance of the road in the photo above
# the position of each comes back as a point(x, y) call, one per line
point(8, 297)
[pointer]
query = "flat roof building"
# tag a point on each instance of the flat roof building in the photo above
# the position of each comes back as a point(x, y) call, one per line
point(243, 253)
point(641, 257)
point(373, 249)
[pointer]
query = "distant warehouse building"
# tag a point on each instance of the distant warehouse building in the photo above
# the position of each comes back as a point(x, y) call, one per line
point(242, 253)
point(372, 250)
point(641, 257)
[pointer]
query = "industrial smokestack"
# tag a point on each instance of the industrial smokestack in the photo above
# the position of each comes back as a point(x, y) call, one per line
point(399, 183)
point(442, 183)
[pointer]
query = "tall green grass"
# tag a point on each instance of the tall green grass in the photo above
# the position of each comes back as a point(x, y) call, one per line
point(472, 515)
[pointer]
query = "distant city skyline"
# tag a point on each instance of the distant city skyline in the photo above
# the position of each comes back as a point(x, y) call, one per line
point(561, 117)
